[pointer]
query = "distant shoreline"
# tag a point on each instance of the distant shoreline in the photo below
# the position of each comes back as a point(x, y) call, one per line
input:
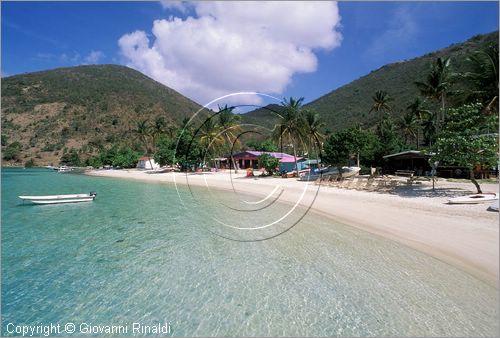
point(465, 236)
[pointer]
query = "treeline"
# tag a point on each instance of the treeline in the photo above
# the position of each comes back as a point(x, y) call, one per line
point(430, 122)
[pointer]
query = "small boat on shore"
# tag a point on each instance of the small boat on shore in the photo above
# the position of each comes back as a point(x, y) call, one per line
point(494, 206)
point(475, 198)
point(57, 199)
point(64, 169)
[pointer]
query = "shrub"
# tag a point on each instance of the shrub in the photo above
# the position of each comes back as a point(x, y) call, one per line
point(269, 163)
point(12, 151)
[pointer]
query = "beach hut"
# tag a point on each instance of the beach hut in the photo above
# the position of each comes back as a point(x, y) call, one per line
point(147, 163)
point(410, 160)
point(250, 159)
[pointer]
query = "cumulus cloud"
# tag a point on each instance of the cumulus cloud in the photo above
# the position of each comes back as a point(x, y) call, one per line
point(234, 46)
point(181, 6)
point(94, 56)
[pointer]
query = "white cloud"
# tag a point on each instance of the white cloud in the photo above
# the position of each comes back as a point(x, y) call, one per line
point(94, 57)
point(181, 6)
point(234, 46)
point(69, 59)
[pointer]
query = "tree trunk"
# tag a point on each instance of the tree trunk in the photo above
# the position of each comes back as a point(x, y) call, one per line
point(357, 160)
point(232, 159)
point(473, 180)
point(295, 157)
point(442, 108)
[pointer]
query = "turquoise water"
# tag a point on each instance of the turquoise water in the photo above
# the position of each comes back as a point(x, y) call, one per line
point(137, 254)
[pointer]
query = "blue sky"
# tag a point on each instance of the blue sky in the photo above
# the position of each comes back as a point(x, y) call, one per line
point(327, 52)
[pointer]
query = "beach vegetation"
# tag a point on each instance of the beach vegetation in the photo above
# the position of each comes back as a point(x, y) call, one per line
point(483, 76)
point(469, 138)
point(437, 83)
point(291, 127)
point(350, 145)
point(388, 138)
point(269, 163)
point(409, 128)
point(165, 151)
point(124, 157)
point(71, 158)
point(264, 145)
point(314, 126)
point(211, 138)
point(230, 127)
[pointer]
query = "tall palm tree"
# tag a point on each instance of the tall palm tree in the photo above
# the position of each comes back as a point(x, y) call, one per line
point(158, 128)
point(437, 83)
point(292, 124)
point(485, 76)
point(381, 101)
point(429, 124)
point(408, 125)
point(210, 137)
point(143, 132)
point(229, 124)
point(314, 125)
point(416, 108)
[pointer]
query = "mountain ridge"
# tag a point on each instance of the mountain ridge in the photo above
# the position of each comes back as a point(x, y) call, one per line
point(83, 107)
point(350, 104)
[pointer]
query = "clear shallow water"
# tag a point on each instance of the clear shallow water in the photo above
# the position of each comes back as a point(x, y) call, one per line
point(136, 254)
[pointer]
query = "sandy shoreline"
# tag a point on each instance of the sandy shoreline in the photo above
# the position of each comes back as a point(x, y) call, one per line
point(466, 236)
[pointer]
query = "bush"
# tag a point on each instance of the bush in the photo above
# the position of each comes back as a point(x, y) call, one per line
point(269, 163)
point(12, 151)
point(126, 158)
point(30, 163)
point(71, 158)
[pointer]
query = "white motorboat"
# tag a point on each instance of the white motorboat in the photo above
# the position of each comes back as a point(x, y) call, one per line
point(475, 198)
point(56, 199)
point(64, 169)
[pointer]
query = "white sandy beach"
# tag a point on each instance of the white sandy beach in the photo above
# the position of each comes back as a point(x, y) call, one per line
point(466, 236)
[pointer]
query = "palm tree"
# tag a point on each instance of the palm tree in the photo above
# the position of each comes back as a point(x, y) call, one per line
point(143, 132)
point(381, 101)
point(292, 124)
point(408, 125)
point(485, 76)
point(210, 137)
point(229, 123)
point(429, 125)
point(314, 124)
point(158, 128)
point(416, 108)
point(438, 83)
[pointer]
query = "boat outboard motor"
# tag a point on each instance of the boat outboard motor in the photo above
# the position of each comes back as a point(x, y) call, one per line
point(93, 194)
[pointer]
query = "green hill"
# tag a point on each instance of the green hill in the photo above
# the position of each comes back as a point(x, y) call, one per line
point(84, 108)
point(350, 104)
